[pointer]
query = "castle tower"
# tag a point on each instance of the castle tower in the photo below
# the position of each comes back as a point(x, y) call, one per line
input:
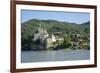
point(40, 28)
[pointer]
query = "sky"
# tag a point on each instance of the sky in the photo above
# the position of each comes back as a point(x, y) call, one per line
point(72, 17)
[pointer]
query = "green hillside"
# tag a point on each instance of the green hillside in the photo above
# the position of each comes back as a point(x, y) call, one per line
point(52, 26)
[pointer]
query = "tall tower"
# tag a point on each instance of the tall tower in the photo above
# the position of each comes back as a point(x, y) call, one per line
point(40, 28)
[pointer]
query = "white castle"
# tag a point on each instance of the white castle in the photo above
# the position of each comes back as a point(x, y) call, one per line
point(44, 39)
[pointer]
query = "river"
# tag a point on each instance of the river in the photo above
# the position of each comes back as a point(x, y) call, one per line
point(59, 55)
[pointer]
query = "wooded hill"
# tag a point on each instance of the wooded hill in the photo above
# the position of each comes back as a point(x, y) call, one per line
point(28, 29)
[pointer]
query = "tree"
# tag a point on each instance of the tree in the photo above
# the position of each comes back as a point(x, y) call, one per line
point(67, 41)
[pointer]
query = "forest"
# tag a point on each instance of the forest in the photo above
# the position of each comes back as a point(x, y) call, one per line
point(76, 36)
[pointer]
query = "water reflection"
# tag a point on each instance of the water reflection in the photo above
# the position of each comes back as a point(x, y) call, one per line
point(61, 55)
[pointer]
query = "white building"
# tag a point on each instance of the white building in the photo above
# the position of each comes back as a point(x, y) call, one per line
point(45, 38)
point(41, 34)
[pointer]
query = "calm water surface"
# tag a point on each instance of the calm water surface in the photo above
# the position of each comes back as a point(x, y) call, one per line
point(60, 55)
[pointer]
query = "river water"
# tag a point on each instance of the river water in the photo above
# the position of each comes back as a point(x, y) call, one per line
point(48, 56)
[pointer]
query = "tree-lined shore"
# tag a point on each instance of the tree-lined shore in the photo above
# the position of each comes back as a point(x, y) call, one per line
point(76, 36)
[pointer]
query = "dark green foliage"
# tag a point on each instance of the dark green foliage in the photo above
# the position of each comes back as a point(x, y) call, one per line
point(67, 41)
point(26, 43)
point(53, 27)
